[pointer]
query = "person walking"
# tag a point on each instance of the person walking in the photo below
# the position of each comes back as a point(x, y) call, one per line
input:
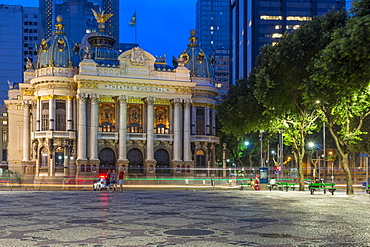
point(121, 176)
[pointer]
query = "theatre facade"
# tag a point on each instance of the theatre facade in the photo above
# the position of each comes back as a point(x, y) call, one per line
point(84, 109)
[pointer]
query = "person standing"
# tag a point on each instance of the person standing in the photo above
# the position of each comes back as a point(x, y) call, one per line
point(113, 180)
point(121, 176)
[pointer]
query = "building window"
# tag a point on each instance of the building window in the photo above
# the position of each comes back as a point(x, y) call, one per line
point(5, 122)
point(5, 136)
point(61, 115)
point(5, 155)
point(5, 114)
point(134, 118)
point(44, 157)
point(107, 117)
point(45, 116)
point(200, 121)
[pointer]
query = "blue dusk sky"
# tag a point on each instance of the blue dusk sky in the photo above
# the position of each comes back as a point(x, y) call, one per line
point(163, 26)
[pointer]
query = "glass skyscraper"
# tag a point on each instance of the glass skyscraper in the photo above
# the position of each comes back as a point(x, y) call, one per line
point(78, 17)
point(256, 23)
point(213, 31)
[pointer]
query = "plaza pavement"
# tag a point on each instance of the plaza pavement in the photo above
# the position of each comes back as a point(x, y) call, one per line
point(183, 217)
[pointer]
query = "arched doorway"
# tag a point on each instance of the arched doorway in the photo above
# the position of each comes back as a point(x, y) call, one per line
point(135, 165)
point(200, 162)
point(107, 160)
point(44, 158)
point(163, 162)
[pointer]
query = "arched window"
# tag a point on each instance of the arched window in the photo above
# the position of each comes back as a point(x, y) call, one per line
point(200, 162)
point(45, 116)
point(60, 115)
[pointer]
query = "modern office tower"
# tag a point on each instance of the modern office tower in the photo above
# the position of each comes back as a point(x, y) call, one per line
point(18, 35)
point(78, 17)
point(256, 23)
point(213, 30)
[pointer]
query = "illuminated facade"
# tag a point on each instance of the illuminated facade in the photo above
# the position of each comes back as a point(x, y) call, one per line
point(259, 22)
point(83, 111)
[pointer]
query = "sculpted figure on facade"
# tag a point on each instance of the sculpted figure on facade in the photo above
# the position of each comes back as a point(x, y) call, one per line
point(137, 56)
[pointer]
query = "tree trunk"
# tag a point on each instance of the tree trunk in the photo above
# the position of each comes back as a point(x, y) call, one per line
point(300, 173)
point(347, 172)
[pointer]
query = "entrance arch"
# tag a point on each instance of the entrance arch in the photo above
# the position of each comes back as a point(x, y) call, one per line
point(135, 165)
point(200, 162)
point(107, 160)
point(163, 162)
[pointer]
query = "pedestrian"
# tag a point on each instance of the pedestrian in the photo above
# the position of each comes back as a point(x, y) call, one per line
point(113, 180)
point(251, 183)
point(257, 184)
point(107, 177)
point(121, 176)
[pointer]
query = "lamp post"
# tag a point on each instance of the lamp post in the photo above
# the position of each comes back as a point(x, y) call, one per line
point(246, 143)
point(224, 160)
point(311, 145)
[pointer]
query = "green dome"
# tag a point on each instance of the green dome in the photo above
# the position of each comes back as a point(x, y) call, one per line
point(199, 63)
point(58, 50)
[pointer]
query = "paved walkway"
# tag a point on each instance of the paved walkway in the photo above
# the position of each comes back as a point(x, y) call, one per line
point(183, 218)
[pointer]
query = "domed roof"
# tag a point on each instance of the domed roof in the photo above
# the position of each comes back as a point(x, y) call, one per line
point(58, 50)
point(101, 45)
point(196, 60)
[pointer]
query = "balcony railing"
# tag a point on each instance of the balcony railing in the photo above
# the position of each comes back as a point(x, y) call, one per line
point(54, 134)
point(163, 137)
point(198, 138)
point(108, 135)
point(136, 136)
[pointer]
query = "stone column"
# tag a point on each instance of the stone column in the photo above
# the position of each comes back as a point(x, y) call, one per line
point(176, 128)
point(52, 112)
point(81, 146)
point(122, 128)
point(149, 129)
point(69, 123)
point(38, 113)
point(187, 106)
point(94, 127)
point(26, 130)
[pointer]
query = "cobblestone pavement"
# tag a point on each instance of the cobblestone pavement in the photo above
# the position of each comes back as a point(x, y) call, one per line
point(183, 218)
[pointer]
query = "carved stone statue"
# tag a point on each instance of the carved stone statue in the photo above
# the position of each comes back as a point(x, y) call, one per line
point(29, 64)
point(87, 53)
point(137, 56)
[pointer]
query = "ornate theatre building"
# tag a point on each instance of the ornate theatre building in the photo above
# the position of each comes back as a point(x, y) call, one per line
point(86, 109)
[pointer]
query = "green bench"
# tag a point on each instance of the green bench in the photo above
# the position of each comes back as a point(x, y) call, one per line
point(322, 186)
point(282, 186)
point(244, 185)
point(368, 189)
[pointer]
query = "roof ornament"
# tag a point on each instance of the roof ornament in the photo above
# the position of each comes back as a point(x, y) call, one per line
point(193, 39)
point(59, 28)
point(101, 18)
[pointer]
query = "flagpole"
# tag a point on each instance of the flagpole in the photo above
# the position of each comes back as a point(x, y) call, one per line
point(135, 28)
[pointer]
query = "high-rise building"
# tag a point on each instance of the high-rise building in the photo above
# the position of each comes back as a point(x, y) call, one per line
point(78, 17)
point(213, 29)
point(18, 35)
point(256, 23)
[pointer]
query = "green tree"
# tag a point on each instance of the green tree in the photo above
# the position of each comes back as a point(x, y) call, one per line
point(282, 74)
point(341, 81)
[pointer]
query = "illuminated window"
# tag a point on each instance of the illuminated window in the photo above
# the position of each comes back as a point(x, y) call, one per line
point(299, 18)
point(219, 85)
point(278, 27)
point(5, 121)
point(5, 136)
point(5, 114)
point(211, 27)
point(296, 27)
point(277, 35)
point(274, 43)
point(269, 17)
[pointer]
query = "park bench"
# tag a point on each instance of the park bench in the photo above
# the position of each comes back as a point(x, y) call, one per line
point(283, 186)
point(325, 186)
point(244, 185)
